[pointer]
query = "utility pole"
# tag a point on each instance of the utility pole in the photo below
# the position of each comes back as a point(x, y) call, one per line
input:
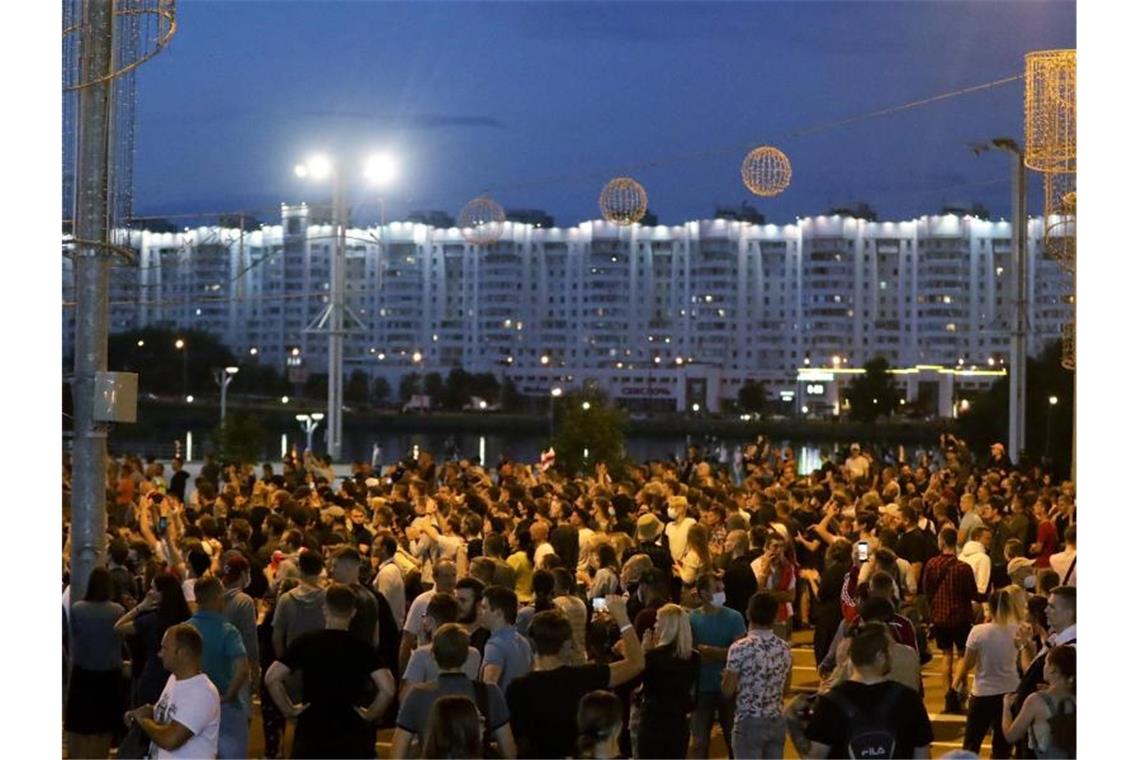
point(92, 270)
point(1019, 331)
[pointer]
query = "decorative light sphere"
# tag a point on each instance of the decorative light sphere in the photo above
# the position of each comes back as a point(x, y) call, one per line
point(1051, 110)
point(623, 201)
point(482, 221)
point(766, 171)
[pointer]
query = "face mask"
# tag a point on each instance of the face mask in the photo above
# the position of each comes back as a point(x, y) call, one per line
point(672, 513)
point(718, 599)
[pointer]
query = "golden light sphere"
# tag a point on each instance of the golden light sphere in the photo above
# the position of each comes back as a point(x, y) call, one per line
point(766, 171)
point(1051, 110)
point(482, 221)
point(623, 201)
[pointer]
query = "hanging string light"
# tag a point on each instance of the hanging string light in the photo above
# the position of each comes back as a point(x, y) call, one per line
point(1069, 346)
point(623, 201)
point(1060, 215)
point(1051, 110)
point(766, 171)
point(482, 221)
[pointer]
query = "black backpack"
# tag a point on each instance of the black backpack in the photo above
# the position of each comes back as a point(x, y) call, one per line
point(871, 734)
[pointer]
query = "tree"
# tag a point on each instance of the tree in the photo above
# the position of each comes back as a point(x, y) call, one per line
point(409, 386)
point(1048, 427)
point(238, 439)
point(588, 436)
point(509, 397)
point(433, 387)
point(873, 394)
point(381, 390)
point(356, 389)
point(316, 386)
point(753, 396)
point(456, 390)
point(163, 368)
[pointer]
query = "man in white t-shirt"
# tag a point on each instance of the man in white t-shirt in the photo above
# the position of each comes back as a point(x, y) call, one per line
point(677, 530)
point(184, 723)
point(414, 633)
point(857, 464)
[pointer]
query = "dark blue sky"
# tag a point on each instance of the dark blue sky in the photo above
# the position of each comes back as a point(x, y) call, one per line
point(493, 96)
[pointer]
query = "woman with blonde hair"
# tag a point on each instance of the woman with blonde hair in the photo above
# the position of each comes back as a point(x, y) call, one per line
point(992, 648)
point(697, 559)
point(668, 685)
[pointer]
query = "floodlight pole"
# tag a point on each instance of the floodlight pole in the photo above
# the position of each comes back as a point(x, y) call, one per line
point(92, 269)
point(336, 319)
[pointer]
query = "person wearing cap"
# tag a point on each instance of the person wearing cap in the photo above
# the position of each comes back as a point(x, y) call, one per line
point(677, 531)
point(649, 530)
point(998, 459)
point(857, 464)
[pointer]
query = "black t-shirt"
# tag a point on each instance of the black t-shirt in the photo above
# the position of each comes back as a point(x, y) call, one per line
point(544, 708)
point(178, 484)
point(670, 682)
point(831, 726)
point(337, 669)
point(364, 620)
point(739, 583)
point(915, 546)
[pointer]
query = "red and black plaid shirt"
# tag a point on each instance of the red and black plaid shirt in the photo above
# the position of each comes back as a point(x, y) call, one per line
point(949, 584)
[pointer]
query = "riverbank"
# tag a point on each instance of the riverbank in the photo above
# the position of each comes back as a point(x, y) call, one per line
point(156, 416)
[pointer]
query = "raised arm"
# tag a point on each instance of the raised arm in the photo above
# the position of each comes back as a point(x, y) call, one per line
point(633, 662)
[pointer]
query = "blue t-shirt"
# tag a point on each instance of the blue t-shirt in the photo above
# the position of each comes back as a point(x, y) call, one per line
point(719, 629)
point(221, 645)
point(510, 652)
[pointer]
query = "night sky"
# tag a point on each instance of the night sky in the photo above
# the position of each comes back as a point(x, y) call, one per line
point(540, 103)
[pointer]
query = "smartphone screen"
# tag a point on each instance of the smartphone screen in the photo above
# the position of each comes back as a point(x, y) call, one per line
point(600, 605)
point(862, 550)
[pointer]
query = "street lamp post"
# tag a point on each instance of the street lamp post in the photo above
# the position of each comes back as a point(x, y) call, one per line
point(1020, 267)
point(309, 423)
point(332, 319)
point(223, 377)
point(1049, 428)
point(555, 392)
point(180, 345)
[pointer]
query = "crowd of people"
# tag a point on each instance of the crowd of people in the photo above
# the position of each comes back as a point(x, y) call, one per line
point(518, 611)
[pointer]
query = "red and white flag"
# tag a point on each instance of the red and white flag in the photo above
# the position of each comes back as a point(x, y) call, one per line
point(547, 459)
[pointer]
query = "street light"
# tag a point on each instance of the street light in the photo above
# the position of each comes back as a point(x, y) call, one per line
point(555, 392)
point(545, 360)
point(284, 399)
point(1019, 233)
point(180, 345)
point(585, 406)
point(223, 377)
point(378, 169)
point(309, 424)
point(189, 399)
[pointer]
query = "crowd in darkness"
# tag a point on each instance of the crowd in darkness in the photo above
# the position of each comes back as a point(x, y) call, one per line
point(521, 611)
